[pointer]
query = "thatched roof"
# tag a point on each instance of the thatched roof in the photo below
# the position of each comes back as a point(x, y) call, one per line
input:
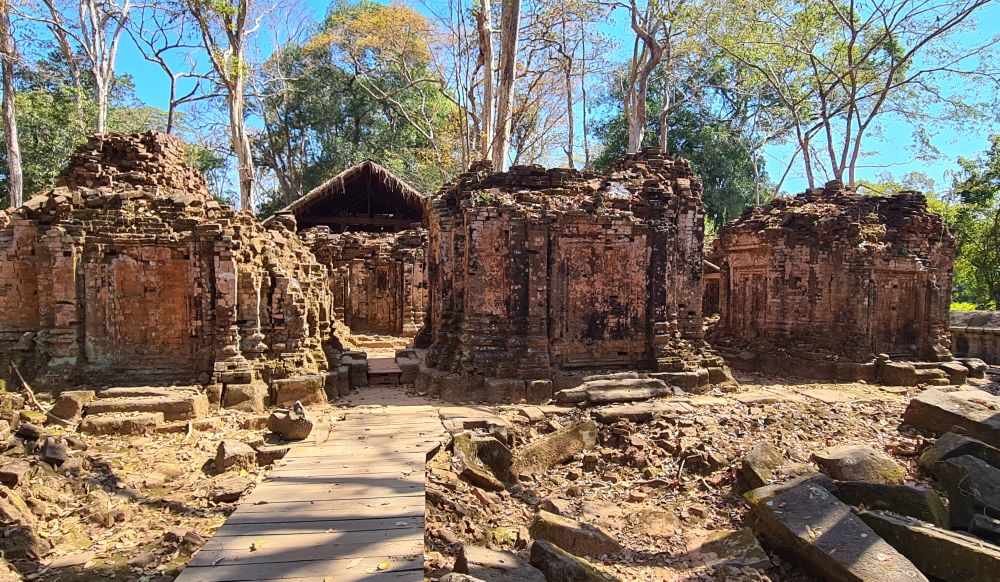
point(352, 181)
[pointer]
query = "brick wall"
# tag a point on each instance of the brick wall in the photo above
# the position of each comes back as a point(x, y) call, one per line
point(128, 269)
point(533, 271)
point(834, 273)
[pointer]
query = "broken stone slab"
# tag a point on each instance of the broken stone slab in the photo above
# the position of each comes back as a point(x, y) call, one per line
point(493, 566)
point(580, 539)
point(536, 457)
point(538, 391)
point(937, 411)
point(229, 490)
point(456, 577)
point(29, 431)
point(289, 425)
point(807, 524)
point(141, 392)
point(976, 367)
point(269, 454)
point(71, 404)
point(121, 424)
point(973, 487)
point(641, 412)
point(859, 463)
point(759, 465)
point(473, 468)
point(955, 445)
point(737, 548)
point(923, 504)
point(957, 373)
point(182, 406)
point(234, 454)
point(907, 374)
point(54, 452)
point(13, 473)
point(559, 565)
point(946, 555)
point(307, 389)
point(252, 397)
point(986, 528)
point(532, 413)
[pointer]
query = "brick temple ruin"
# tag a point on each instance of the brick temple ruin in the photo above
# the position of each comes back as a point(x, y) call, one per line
point(540, 276)
point(128, 271)
point(366, 225)
point(820, 284)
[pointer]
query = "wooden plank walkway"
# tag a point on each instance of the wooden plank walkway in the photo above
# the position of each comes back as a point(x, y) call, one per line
point(334, 511)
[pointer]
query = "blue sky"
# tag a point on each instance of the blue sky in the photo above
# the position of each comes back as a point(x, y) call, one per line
point(890, 153)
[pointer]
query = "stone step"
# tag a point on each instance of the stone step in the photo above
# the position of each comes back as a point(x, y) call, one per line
point(145, 391)
point(174, 407)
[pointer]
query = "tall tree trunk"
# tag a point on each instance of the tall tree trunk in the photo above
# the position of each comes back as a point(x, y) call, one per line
point(101, 97)
point(241, 143)
point(8, 54)
point(569, 114)
point(583, 92)
point(509, 25)
point(484, 24)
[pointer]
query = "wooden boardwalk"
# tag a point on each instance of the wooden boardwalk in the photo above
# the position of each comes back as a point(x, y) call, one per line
point(350, 508)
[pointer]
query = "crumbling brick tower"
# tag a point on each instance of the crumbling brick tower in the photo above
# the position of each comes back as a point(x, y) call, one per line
point(830, 278)
point(534, 273)
point(128, 270)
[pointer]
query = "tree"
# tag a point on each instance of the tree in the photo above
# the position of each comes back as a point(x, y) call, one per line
point(710, 137)
point(161, 31)
point(8, 56)
point(976, 222)
point(510, 26)
point(484, 28)
point(840, 68)
point(326, 110)
point(95, 30)
point(226, 27)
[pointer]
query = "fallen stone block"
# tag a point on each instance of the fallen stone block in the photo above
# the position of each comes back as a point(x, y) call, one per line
point(739, 549)
point(957, 373)
point(289, 425)
point(309, 389)
point(946, 555)
point(538, 391)
point(358, 374)
point(976, 367)
point(229, 490)
point(955, 445)
point(923, 504)
point(805, 523)
point(183, 406)
point(536, 457)
point(456, 577)
point(54, 452)
point(859, 463)
point(973, 487)
point(29, 431)
point(558, 564)
point(986, 528)
point(121, 424)
point(268, 454)
point(466, 449)
point(492, 566)
point(14, 472)
point(234, 454)
point(580, 539)
point(70, 404)
point(250, 397)
point(937, 411)
point(759, 465)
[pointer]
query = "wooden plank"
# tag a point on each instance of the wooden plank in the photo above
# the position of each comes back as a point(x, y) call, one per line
point(318, 570)
point(295, 492)
point(335, 543)
point(269, 554)
point(387, 507)
point(320, 525)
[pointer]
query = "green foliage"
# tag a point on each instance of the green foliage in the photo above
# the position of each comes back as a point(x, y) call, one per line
point(975, 220)
point(325, 118)
point(51, 123)
point(963, 306)
point(709, 141)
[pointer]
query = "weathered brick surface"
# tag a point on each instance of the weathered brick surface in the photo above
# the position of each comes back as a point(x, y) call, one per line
point(130, 267)
point(834, 273)
point(377, 279)
point(533, 270)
